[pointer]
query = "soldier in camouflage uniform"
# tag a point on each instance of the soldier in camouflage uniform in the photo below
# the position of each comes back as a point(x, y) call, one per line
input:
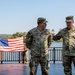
point(68, 52)
point(38, 40)
point(25, 52)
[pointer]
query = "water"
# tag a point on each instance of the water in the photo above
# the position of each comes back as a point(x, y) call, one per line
point(56, 44)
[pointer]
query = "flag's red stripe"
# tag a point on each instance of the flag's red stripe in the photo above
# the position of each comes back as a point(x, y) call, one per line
point(16, 39)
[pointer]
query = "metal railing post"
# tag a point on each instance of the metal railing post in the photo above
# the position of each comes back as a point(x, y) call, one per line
point(54, 55)
point(19, 57)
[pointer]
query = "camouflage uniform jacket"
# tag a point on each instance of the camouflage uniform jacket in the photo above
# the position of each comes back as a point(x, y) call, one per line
point(68, 37)
point(38, 41)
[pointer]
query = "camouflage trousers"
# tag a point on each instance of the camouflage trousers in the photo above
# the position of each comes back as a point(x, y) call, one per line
point(67, 62)
point(34, 62)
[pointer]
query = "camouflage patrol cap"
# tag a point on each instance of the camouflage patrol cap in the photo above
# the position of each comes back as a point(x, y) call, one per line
point(42, 20)
point(69, 18)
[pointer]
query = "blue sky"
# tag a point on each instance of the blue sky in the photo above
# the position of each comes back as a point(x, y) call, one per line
point(21, 15)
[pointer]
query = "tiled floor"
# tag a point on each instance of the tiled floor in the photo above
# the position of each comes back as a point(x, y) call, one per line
point(23, 69)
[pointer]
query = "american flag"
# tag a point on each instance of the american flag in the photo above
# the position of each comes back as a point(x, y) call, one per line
point(14, 44)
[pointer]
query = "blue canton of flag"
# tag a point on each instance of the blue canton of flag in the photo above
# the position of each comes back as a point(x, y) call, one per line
point(3, 42)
